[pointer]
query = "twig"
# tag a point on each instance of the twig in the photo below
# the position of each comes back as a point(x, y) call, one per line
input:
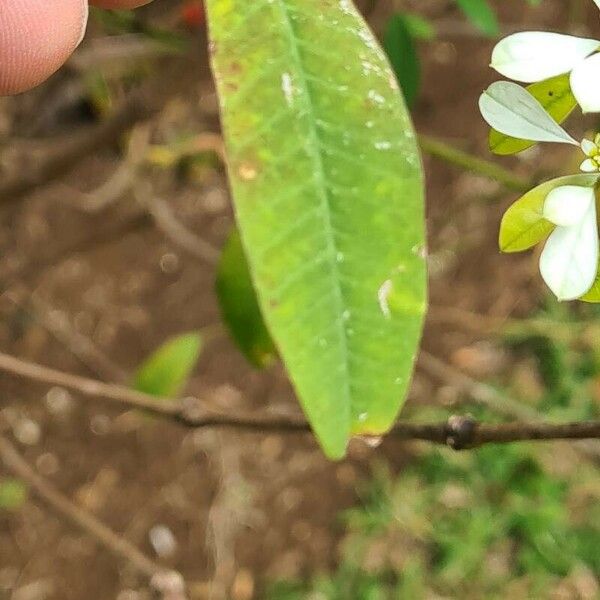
point(478, 323)
point(448, 28)
point(169, 583)
point(457, 432)
point(122, 396)
point(464, 432)
point(169, 154)
point(481, 393)
point(58, 325)
point(471, 321)
point(133, 110)
point(173, 229)
point(488, 396)
point(124, 177)
point(469, 162)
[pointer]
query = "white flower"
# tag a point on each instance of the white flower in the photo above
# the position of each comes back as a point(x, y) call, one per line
point(532, 56)
point(512, 110)
point(592, 150)
point(569, 261)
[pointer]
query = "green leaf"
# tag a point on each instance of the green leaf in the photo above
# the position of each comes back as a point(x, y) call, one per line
point(239, 305)
point(481, 15)
point(13, 493)
point(523, 224)
point(557, 99)
point(419, 27)
point(593, 295)
point(328, 191)
point(119, 22)
point(166, 372)
point(401, 51)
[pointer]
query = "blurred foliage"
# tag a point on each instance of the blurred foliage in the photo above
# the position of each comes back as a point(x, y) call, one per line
point(486, 524)
point(403, 31)
point(13, 493)
point(239, 305)
point(166, 372)
point(120, 22)
point(400, 47)
point(418, 27)
point(481, 15)
point(564, 345)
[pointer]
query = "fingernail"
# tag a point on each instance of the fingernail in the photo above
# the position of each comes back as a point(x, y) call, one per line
point(84, 20)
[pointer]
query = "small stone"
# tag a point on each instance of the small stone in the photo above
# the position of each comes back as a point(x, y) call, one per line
point(58, 400)
point(163, 541)
point(100, 424)
point(27, 432)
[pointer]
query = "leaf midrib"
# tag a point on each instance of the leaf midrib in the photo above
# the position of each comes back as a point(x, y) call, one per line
point(315, 153)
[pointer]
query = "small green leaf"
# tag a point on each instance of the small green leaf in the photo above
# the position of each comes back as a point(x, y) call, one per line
point(419, 27)
point(481, 15)
point(523, 224)
point(593, 296)
point(166, 372)
point(328, 191)
point(239, 305)
point(13, 493)
point(400, 47)
point(557, 99)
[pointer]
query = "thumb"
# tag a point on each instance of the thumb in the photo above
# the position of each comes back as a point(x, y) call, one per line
point(36, 38)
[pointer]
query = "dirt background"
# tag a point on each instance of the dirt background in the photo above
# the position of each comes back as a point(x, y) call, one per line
point(94, 291)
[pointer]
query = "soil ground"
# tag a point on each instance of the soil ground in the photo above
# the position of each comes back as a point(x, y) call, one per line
point(243, 508)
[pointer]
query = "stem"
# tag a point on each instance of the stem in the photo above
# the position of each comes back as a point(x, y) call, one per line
point(474, 164)
point(14, 187)
point(458, 432)
point(168, 583)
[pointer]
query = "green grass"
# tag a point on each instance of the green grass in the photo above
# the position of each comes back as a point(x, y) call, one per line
point(517, 521)
point(467, 526)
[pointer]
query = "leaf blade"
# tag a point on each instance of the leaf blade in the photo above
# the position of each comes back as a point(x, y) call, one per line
point(402, 52)
point(239, 305)
point(166, 371)
point(523, 224)
point(481, 15)
point(327, 186)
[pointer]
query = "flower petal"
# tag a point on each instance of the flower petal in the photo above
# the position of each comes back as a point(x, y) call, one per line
point(512, 110)
point(585, 83)
point(531, 56)
point(589, 148)
point(588, 166)
point(569, 261)
point(568, 204)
